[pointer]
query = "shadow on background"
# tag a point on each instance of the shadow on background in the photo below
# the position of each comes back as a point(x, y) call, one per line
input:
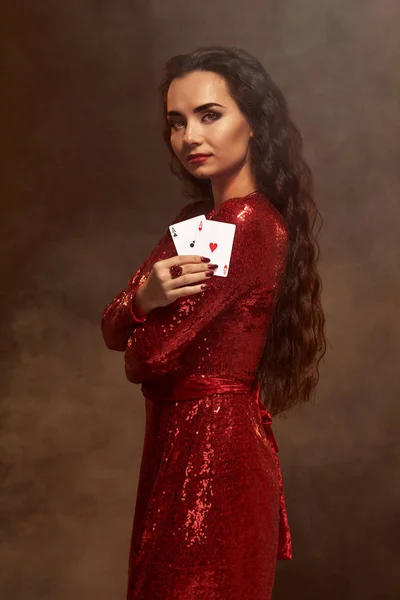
point(86, 194)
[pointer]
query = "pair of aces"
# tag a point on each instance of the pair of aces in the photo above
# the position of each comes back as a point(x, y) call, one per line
point(213, 239)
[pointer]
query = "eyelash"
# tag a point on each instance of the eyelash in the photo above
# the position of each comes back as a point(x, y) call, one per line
point(214, 114)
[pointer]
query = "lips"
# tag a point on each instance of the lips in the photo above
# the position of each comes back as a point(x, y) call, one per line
point(191, 156)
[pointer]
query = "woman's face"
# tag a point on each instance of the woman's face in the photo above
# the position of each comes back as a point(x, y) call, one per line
point(219, 129)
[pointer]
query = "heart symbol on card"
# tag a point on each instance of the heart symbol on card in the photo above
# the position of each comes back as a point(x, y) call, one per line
point(213, 246)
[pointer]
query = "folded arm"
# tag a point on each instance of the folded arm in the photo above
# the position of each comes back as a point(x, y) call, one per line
point(119, 318)
point(258, 256)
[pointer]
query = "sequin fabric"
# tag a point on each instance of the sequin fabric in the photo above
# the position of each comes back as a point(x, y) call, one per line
point(210, 520)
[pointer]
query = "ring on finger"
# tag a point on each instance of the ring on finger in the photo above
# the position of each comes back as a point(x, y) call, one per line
point(176, 271)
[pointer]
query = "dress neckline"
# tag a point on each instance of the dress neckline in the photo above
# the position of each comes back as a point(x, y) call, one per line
point(257, 192)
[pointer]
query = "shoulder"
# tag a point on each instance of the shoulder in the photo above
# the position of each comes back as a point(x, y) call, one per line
point(192, 209)
point(256, 212)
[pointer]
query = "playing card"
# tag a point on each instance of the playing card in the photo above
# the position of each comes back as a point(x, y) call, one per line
point(215, 240)
point(183, 234)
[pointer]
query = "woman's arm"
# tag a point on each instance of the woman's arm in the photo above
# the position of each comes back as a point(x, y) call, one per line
point(126, 311)
point(258, 257)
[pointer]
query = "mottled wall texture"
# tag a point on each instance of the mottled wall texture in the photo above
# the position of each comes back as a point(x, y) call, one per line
point(86, 193)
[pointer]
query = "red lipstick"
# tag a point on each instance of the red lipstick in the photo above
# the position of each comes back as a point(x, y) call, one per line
point(198, 158)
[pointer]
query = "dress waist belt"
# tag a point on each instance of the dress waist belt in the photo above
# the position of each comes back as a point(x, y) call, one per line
point(191, 389)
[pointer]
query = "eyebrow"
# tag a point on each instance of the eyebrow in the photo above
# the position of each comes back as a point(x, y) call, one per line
point(176, 113)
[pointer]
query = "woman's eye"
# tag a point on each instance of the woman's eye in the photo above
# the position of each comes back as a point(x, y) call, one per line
point(214, 116)
point(175, 124)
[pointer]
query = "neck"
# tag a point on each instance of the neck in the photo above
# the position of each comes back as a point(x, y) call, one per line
point(233, 187)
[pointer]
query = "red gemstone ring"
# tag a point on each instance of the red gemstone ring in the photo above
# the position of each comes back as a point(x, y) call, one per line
point(176, 271)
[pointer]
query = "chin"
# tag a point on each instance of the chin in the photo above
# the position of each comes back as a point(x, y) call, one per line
point(201, 175)
point(198, 172)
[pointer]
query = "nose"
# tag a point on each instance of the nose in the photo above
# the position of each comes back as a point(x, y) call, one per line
point(192, 134)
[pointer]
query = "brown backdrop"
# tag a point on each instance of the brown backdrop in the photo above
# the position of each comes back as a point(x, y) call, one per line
point(86, 193)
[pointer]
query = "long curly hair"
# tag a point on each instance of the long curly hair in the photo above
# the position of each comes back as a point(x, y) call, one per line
point(288, 369)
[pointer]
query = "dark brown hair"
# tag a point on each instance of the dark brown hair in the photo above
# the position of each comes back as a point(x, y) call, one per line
point(288, 370)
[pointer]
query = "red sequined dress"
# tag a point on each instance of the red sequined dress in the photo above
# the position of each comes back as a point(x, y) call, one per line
point(210, 518)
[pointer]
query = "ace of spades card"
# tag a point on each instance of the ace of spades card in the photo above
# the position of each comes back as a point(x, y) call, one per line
point(183, 234)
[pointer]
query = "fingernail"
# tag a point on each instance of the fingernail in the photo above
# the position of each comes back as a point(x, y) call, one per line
point(209, 273)
point(204, 286)
point(204, 259)
point(212, 266)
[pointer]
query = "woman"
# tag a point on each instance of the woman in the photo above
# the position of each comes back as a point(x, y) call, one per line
point(210, 518)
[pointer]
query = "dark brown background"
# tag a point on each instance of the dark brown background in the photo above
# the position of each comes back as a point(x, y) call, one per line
point(86, 193)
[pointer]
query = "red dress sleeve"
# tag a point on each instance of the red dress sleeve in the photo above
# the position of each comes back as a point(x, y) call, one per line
point(258, 256)
point(119, 318)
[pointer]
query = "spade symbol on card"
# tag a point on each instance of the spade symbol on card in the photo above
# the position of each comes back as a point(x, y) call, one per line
point(174, 234)
point(192, 244)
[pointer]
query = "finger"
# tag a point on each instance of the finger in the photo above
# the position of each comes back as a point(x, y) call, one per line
point(191, 278)
point(185, 259)
point(189, 263)
point(187, 291)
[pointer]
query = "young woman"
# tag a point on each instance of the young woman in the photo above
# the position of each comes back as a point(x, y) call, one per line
point(210, 518)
